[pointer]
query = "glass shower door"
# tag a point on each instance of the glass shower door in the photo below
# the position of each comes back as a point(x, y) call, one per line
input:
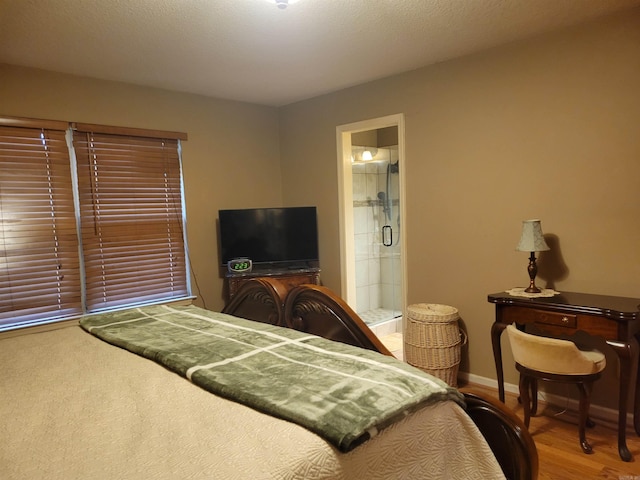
point(390, 231)
point(376, 209)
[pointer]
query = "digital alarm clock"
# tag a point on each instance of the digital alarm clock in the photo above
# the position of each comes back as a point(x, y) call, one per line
point(239, 265)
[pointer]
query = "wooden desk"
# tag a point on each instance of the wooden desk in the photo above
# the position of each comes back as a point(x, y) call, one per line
point(616, 319)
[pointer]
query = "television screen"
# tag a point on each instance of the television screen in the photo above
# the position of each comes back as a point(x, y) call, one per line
point(269, 235)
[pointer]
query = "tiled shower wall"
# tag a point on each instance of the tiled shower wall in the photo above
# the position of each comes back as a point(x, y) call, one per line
point(377, 266)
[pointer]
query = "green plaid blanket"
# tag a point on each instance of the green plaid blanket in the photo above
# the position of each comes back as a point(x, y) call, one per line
point(343, 393)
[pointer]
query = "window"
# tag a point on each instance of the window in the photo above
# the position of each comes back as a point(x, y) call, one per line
point(131, 218)
point(132, 247)
point(39, 274)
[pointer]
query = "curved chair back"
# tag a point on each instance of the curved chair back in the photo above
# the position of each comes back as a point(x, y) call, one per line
point(317, 310)
point(507, 436)
point(553, 355)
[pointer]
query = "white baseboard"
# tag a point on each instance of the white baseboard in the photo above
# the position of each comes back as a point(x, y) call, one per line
point(597, 412)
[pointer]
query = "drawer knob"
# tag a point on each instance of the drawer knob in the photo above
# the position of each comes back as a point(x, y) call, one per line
point(565, 320)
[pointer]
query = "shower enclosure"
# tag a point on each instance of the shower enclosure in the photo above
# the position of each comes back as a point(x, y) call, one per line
point(377, 232)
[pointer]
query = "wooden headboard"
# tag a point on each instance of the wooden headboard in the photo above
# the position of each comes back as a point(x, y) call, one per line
point(259, 299)
point(308, 308)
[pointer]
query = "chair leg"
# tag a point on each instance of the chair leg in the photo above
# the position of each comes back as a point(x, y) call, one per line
point(534, 396)
point(585, 391)
point(533, 388)
point(523, 386)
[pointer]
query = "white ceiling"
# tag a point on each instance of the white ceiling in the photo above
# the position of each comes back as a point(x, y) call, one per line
point(252, 51)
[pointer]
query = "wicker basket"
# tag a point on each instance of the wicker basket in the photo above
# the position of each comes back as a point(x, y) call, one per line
point(432, 313)
point(449, 375)
point(441, 362)
point(433, 340)
point(431, 335)
point(441, 357)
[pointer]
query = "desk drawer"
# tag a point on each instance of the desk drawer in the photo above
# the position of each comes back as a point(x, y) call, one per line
point(542, 317)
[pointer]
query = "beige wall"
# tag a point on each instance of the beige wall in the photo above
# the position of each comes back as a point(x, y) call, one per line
point(215, 156)
point(547, 128)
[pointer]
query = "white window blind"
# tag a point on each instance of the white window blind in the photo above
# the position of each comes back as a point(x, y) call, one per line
point(39, 271)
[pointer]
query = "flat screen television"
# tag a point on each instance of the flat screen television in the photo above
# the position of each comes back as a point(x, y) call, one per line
point(280, 236)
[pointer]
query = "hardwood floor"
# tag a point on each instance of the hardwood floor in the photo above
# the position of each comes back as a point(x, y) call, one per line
point(561, 458)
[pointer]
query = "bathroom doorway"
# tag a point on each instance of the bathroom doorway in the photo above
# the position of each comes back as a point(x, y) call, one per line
point(371, 176)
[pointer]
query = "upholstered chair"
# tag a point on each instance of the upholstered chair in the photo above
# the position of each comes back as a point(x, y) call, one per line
point(555, 360)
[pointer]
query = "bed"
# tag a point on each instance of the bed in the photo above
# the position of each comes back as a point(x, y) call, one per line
point(75, 406)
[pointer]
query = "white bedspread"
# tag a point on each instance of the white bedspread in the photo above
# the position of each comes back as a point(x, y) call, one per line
point(74, 407)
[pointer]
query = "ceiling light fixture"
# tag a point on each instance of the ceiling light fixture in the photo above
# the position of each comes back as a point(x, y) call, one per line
point(282, 4)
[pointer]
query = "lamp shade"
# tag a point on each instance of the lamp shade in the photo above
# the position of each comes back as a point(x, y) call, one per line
point(532, 239)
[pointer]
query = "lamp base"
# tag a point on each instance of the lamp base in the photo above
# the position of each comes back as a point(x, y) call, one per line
point(533, 271)
point(532, 289)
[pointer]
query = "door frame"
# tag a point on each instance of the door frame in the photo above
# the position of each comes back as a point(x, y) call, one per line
point(345, 200)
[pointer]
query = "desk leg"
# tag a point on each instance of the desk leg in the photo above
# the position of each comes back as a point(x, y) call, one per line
point(628, 357)
point(496, 332)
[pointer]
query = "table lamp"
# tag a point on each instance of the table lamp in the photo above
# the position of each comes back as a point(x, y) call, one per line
point(532, 241)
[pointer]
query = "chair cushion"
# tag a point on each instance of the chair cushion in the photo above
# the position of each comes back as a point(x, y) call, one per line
point(553, 355)
point(597, 357)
